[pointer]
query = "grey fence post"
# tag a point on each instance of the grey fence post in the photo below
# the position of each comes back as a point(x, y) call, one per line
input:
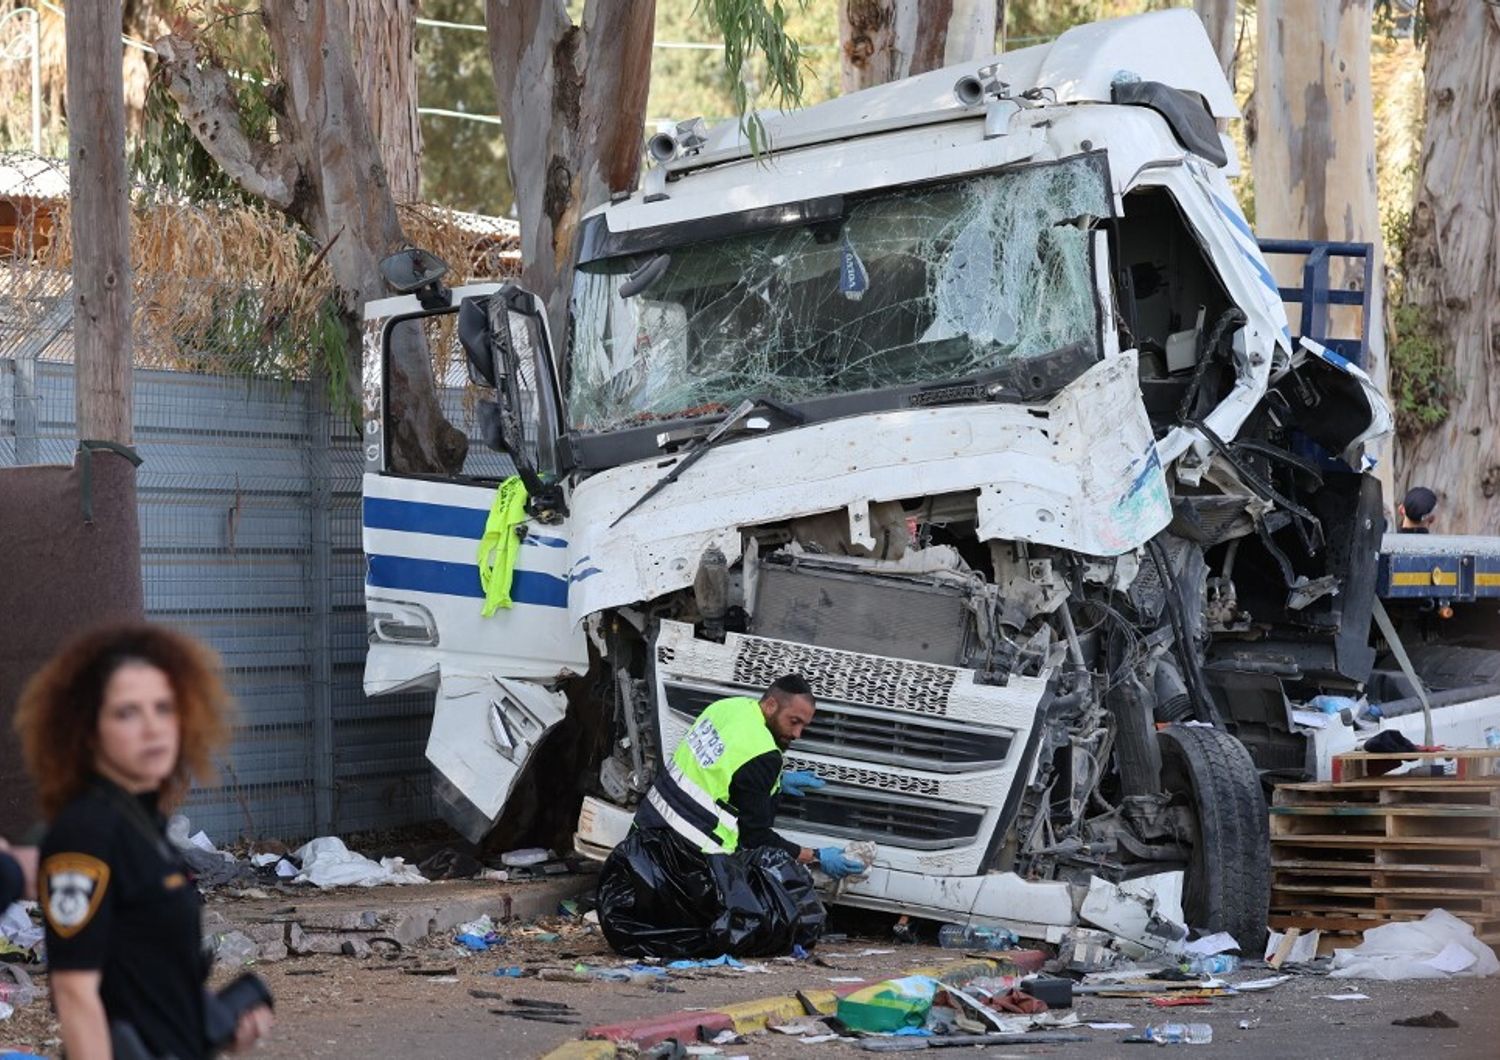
point(28, 433)
point(320, 595)
point(28, 448)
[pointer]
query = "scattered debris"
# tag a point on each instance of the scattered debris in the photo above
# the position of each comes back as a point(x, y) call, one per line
point(519, 859)
point(1294, 946)
point(1144, 914)
point(450, 864)
point(20, 933)
point(235, 948)
point(20, 991)
point(1260, 984)
point(1179, 1034)
point(1436, 947)
point(889, 1005)
point(977, 937)
point(1436, 1018)
point(327, 862)
point(1211, 945)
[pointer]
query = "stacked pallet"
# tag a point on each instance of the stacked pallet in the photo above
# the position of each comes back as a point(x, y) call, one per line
point(1369, 849)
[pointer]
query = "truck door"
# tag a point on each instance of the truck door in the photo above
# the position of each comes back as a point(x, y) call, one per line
point(495, 676)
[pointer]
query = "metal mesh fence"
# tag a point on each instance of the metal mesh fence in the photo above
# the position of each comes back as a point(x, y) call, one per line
point(249, 501)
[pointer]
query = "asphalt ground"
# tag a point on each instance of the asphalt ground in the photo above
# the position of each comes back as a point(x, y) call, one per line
point(352, 1011)
point(337, 1006)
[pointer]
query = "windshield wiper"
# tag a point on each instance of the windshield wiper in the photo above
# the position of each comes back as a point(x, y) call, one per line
point(713, 438)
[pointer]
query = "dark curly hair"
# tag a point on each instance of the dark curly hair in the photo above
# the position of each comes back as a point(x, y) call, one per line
point(58, 714)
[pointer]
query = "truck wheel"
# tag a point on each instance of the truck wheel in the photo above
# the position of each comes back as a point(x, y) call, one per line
point(1228, 884)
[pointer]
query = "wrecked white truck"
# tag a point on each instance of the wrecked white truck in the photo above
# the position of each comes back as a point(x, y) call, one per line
point(974, 402)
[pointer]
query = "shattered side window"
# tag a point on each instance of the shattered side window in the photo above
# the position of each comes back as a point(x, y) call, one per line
point(913, 286)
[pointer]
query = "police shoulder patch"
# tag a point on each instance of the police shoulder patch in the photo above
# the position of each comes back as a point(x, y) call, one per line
point(73, 885)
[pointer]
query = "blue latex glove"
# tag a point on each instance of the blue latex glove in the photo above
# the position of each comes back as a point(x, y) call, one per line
point(834, 865)
point(798, 782)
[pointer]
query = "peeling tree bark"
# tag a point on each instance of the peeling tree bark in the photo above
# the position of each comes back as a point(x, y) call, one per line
point(1314, 151)
point(1453, 263)
point(325, 173)
point(385, 60)
point(573, 107)
point(886, 40)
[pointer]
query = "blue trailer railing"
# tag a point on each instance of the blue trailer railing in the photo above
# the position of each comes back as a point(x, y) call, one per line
point(1317, 292)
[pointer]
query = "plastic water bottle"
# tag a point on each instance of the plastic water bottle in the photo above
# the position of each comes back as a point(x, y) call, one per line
point(1217, 964)
point(975, 937)
point(1180, 1033)
point(1492, 738)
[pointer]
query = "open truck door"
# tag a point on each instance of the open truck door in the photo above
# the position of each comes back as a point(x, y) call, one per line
point(496, 675)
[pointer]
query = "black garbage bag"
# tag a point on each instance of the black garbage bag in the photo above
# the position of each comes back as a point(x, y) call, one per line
point(659, 897)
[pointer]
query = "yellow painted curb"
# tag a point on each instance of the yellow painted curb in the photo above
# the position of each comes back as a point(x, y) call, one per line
point(751, 1016)
point(583, 1051)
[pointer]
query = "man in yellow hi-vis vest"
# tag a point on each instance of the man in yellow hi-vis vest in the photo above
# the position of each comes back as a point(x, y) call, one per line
point(704, 828)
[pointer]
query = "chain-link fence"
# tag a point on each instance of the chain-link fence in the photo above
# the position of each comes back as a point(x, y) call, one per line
point(249, 486)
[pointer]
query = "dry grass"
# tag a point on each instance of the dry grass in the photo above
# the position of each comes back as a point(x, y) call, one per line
point(218, 285)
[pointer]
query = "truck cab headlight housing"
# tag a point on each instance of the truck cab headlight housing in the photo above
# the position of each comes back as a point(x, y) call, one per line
point(388, 622)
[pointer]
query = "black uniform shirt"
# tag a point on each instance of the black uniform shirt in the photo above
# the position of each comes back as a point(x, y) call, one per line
point(118, 900)
point(755, 805)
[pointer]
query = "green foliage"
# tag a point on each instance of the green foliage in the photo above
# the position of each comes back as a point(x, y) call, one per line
point(1421, 371)
point(168, 157)
point(750, 27)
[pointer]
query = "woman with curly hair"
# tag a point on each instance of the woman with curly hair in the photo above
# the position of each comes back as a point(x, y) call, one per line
point(114, 729)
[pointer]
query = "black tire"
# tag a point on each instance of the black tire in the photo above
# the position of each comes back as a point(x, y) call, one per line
point(1228, 884)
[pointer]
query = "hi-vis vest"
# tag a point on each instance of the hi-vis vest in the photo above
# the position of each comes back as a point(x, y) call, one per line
point(692, 793)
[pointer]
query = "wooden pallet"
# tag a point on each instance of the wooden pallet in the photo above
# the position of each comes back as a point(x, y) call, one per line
point(1487, 930)
point(1390, 809)
point(1470, 763)
point(1356, 853)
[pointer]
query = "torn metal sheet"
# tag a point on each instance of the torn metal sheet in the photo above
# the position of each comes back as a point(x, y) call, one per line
point(1146, 912)
point(484, 730)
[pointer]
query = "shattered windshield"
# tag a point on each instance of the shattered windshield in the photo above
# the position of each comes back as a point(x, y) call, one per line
point(912, 286)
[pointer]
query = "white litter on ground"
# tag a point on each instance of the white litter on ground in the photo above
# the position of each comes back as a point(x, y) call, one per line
point(326, 862)
point(1435, 947)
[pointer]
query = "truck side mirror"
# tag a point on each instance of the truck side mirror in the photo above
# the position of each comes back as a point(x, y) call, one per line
point(479, 345)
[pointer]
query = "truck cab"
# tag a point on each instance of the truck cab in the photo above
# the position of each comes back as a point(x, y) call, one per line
point(972, 400)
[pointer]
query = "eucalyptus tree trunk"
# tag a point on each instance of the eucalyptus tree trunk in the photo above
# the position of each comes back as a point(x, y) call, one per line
point(385, 62)
point(324, 171)
point(886, 40)
point(1219, 19)
point(1453, 264)
point(1313, 155)
point(573, 107)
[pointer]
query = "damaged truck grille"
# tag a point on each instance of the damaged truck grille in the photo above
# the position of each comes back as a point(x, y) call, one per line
point(919, 824)
point(866, 735)
point(920, 757)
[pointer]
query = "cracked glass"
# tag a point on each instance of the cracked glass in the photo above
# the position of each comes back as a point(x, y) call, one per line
point(912, 286)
